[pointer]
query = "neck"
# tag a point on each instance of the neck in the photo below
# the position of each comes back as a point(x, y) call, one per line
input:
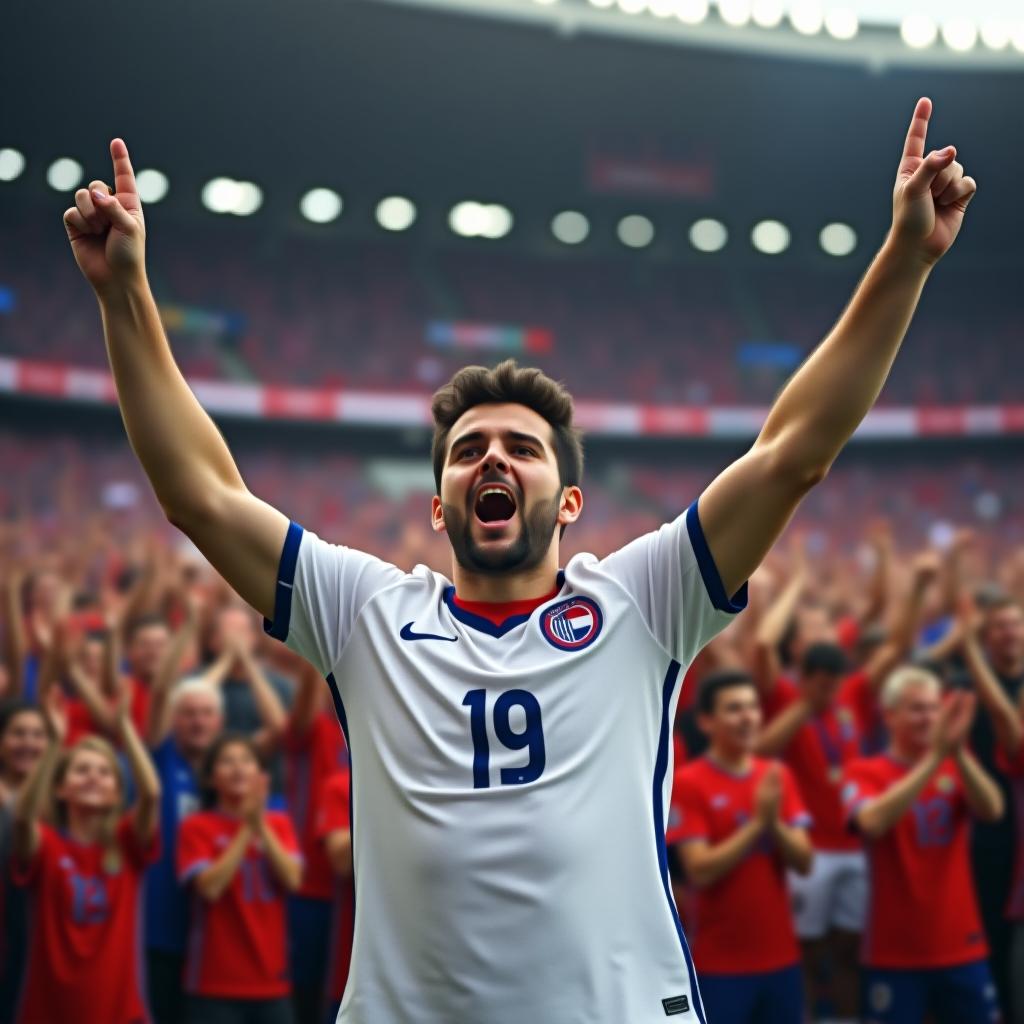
point(732, 759)
point(513, 586)
point(231, 805)
point(85, 824)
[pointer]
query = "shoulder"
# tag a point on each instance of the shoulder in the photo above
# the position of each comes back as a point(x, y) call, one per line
point(693, 775)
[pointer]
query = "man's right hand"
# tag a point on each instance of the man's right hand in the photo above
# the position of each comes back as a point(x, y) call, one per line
point(768, 795)
point(954, 723)
point(107, 231)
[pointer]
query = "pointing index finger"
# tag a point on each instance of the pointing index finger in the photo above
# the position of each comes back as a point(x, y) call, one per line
point(914, 146)
point(124, 176)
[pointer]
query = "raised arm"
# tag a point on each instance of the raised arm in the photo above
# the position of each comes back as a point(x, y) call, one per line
point(772, 628)
point(32, 801)
point(15, 645)
point(146, 812)
point(158, 721)
point(745, 509)
point(181, 450)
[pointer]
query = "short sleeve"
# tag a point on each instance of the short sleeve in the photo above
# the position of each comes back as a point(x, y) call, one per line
point(794, 810)
point(674, 581)
point(27, 874)
point(691, 808)
point(333, 813)
point(195, 849)
point(860, 784)
point(321, 589)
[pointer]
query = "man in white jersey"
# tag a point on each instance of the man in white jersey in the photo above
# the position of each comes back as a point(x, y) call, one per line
point(510, 728)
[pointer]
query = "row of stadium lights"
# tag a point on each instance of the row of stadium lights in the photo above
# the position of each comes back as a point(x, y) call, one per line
point(467, 219)
point(809, 17)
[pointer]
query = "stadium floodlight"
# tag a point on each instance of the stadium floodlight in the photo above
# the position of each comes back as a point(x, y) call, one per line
point(604, 4)
point(995, 33)
point(396, 213)
point(662, 8)
point(321, 205)
point(960, 34)
point(841, 23)
point(152, 185)
point(734, 12)
point(64, 174)
point(635, 231)
point(691, 12)
point(770, 237)
point(918, 31)
point(570, 227)
point(249, 200)
point(497, 221)
point(545, 3)
point(1017, 37)
point(838, 239)
point(806, 16)
point(767, 13)
point(479, 220)
point(12, 163)
point(632, 6)
point(708, 235)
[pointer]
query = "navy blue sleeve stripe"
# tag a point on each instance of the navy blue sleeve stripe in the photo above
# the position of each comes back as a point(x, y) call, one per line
point(278, 629)
point(708, 569)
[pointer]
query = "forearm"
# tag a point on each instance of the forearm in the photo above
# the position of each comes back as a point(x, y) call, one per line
point(212, 881)
point(158, 716)
point(794, 847)
point(778, 733)
point(339, 852)
point(14, 636)
point(180, 448)
point(144, 774)
point(268, 704)
point(100, 710)
point(705, 866)
point(879, 815)
point(830, 394)
point(286, 866)
point(1005, 721)
point(980, 790)
point(772, 628)
point(29, 806)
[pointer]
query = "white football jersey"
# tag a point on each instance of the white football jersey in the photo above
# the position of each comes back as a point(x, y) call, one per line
point(510, 784)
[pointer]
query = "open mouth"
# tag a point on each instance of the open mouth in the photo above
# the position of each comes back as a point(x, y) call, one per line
point(494, 505)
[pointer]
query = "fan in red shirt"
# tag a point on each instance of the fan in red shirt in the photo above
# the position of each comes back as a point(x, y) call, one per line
point(314, 747)
point(741, 823)
point(84, 876)
point(335, 835)
point(240, 861)
point(924, 949)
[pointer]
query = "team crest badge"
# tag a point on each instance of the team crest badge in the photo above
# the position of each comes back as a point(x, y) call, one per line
point(944, 784)
point(573, 624)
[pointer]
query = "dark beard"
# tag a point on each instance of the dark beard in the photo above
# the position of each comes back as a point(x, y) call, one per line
point(526, 552)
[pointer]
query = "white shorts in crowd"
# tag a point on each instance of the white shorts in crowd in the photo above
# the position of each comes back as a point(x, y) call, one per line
point(833, 895)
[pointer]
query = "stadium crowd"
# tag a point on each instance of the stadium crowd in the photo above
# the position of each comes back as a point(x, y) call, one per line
point(160, 756)
point(316, 311)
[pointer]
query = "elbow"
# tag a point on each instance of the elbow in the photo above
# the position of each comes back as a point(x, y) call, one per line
point(803, 861)
point(209, 891)
point(292, 878)
point(995, 808)
point(868, 825)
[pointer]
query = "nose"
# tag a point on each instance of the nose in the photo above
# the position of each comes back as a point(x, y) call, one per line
point(494, 459)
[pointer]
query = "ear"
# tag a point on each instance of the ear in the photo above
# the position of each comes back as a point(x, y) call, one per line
point(436, 515)
point(571, 507)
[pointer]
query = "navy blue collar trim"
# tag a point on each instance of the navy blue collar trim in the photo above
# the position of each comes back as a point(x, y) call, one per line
point(478, 622)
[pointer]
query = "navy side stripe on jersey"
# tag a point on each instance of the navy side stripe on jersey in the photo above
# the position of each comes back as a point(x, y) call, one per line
point(660, 768)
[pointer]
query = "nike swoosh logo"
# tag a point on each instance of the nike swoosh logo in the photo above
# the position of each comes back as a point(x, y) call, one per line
point(408, 634)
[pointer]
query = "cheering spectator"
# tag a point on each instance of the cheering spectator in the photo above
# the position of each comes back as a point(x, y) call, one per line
point(1002, 639)
point(924, 950)
point(239, 859)
point(335, 834)
point(84, 872)
point(817, 726)
point(254, 698)
point(742, 822)
point(22, 743)
point(314, 752)
point(184, 720)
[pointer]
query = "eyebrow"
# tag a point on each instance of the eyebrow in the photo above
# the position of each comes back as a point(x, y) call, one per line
point(516, 435)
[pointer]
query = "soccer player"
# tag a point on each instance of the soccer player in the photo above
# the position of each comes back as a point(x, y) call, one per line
point(924, 949)
point(742, 822)
point(239, 860)
point(334, 832)
point(509, 729)
point(84, 872)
